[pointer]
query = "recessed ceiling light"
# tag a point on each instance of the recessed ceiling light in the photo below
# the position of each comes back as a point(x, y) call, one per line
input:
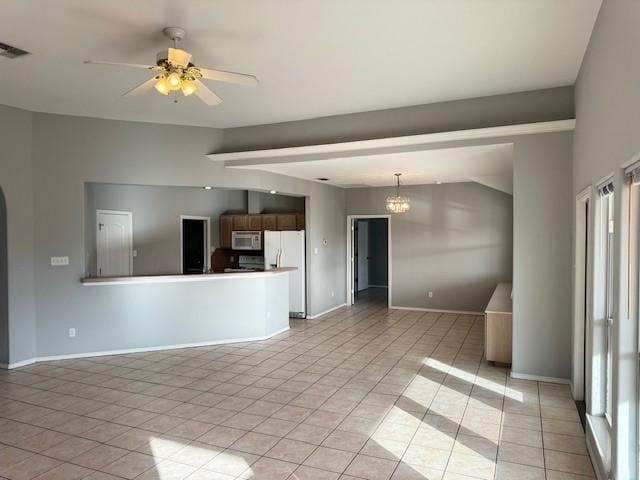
point(323, 179)
point(439, 182)
point(272, 192)
point(208, 187)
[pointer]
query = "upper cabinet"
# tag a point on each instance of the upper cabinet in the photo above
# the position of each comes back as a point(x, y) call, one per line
point(300, 224)
point(269, 221)
point(258, 222)
point(240, 222)
point(226, 227)
point(286, 221)
point(254, 222)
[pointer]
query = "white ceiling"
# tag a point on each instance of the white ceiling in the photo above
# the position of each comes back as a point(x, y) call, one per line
point(313, 58)
point(490, 165)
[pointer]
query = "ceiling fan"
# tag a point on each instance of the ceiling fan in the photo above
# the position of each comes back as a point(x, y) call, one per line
point(174, 72)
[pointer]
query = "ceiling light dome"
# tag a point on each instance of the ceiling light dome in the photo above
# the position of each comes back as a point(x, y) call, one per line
point(398, 203)
point(174, 80)
point(162, 86)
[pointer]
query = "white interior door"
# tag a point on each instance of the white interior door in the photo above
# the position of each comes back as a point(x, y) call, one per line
point(363, 255)
point(114, 243)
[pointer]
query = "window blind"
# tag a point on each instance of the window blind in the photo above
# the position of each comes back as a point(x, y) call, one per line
point(606, 188)
point(634, 175)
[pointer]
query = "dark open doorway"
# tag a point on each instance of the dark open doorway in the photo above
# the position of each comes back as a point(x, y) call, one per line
point(371, 260)
point(195, 240)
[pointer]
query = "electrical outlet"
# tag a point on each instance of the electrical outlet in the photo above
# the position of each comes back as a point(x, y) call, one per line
point(135, 253)
point(430, 294)
point(72, 332)
point(315, 251)
point(333, 294)
point(59, 261)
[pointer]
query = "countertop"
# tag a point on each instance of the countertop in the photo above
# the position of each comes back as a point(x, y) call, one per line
point(89, 281)
point(501, 299)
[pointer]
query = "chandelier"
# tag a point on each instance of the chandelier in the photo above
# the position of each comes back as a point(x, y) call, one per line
point(397, 203)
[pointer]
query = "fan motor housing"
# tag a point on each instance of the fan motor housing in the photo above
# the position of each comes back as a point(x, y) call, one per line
point(174, 33)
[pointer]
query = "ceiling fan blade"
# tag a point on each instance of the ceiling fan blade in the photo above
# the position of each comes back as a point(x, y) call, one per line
point(229, 77)
point(144, 87)
point(178, 58)
point(206, 95)
point(130, 65)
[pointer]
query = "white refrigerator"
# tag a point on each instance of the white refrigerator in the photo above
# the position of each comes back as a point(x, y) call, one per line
point(290, 247)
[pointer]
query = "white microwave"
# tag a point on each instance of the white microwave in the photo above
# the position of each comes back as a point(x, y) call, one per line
point(251, 240)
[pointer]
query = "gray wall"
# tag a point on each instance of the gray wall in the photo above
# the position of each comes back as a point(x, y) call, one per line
point(16, 183)
point(156, 220)
point(69, 151)
point(261, 202)
point(542, 264)
point(456, 241)
point(607, 95)
point(524, 107)
point(378, 251)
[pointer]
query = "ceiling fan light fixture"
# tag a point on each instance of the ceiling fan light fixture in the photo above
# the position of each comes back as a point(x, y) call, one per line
point(397, 203)
point(174, 80)
point(188, 87)
point(174, 71)
point(162, 86)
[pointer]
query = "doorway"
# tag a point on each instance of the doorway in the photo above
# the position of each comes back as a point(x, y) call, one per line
point(581, 307)
point(4, 284)
point(114, 243)
point(194, 244)
point(368, 259)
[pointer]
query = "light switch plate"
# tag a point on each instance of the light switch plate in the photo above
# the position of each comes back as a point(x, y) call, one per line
point(59, 261)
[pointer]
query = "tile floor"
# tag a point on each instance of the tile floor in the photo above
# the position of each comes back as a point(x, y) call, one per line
point(363, 393)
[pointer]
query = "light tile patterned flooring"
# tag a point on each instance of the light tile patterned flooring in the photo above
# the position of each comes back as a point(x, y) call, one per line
point(364, 392)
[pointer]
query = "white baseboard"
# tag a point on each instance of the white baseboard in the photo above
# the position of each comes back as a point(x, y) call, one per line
point(436, 310)
point(137, 350)
point(540, 378)
point(22, 363)
point(311, 317)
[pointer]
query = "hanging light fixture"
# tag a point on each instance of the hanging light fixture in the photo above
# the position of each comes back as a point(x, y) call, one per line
point(397, 203)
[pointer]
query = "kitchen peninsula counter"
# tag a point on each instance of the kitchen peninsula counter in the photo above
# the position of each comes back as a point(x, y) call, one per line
point(175, 278)
point(146, 313)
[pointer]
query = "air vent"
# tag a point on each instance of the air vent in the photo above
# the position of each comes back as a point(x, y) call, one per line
point(11, 52)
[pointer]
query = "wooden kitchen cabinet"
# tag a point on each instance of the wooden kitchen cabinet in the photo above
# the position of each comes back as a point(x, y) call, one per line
point(258, 222)
point(255, 222)
point(286, 221)
point(226, 227)
point(269, 222)
point(300, 221)
point(240, 222)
